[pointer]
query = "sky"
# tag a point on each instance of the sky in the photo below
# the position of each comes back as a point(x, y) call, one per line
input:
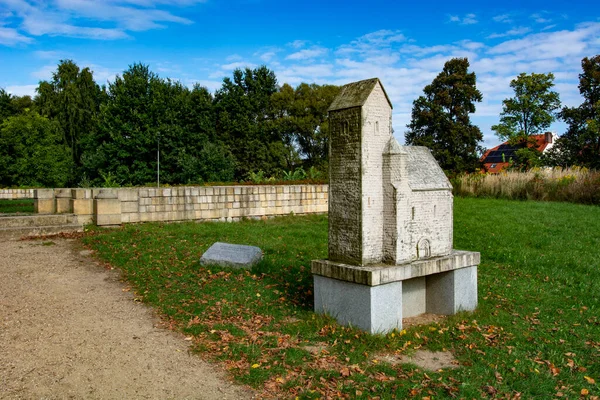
point(325, 42)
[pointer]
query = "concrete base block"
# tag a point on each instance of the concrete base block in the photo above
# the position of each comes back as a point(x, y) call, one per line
point(63, 201)
point(107, 209)
point(82, 206)
point(375, 309)
point(413, 297)
point(453, 291)
point(44, 206)
point(108, 219)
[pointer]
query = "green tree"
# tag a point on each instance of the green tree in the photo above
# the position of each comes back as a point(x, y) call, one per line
point(6, 105)
point(144, 115)
point(440, 119)
point(529, 112)
point(72, 98)
point(302, 118)
point(32, 152)
point(245, 121)
point(580, 144)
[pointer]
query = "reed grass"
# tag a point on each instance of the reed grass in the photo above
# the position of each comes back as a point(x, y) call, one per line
point(575, 185)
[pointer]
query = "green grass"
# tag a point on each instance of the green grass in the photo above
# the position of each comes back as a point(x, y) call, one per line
point(536, 332)
point(16, 206)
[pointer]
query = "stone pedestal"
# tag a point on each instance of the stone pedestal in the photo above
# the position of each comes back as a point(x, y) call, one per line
point(375, 298)
point(63, 201)
point(44, 201)
point(107, 208)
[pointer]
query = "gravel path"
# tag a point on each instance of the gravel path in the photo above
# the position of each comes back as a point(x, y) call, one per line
point(69, 330)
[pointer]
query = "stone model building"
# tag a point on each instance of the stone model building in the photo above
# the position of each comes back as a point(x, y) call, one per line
point(390, 223)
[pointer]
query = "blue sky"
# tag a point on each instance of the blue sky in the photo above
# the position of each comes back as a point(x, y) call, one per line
point(336, 42)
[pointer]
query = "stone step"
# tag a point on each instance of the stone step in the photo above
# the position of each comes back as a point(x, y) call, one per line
point(33, 231)
point(36, 220)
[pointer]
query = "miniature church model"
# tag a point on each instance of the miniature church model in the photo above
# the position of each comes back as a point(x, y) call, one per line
point(390, 223)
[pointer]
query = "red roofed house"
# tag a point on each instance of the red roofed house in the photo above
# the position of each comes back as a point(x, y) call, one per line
point(496, 159)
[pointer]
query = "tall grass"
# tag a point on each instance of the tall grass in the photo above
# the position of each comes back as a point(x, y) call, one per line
point(575, 185)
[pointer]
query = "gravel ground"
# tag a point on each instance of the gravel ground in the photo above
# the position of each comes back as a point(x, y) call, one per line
point(69, 330)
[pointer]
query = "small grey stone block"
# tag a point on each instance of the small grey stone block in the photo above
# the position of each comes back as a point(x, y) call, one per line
point(231, 255)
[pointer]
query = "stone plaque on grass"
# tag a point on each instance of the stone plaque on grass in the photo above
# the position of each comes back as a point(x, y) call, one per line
point(231, 255)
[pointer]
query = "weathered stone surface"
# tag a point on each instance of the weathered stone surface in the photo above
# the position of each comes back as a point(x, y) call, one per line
point(231, 255)
point(390, 223)
point(373, 275)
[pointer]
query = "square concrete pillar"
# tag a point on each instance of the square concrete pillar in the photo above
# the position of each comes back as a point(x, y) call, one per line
point(375, 309)
point(82, 205)
point(44, 201)
point(453, 291)
point(63, 201)
point(413, 297)
point(107, 208)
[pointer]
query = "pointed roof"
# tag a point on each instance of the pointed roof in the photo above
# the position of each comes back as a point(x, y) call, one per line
point(424, 173)
point(393, 147)
point(355, 94)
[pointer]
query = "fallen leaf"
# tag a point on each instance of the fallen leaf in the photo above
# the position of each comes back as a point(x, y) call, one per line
point(589, 380)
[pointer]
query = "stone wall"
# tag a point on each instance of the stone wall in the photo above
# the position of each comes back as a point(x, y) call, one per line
point(223, 203)
point(14, 194)
point(345, 176)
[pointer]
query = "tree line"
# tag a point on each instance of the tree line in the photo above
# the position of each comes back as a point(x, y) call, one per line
point(441, 119)
point(75, 132)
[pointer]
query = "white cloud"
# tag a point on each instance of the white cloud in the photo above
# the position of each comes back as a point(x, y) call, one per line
point(540, 19)
point(234, 57)
point(11, 37)
point(468, 19)
point(552, 44)
point(45, 72)
point(511, 32)
point(307, 54)
point(374, 42)
point(267, 56)
point(236, 65)
point(49, 54)
point(90, 19)
point(298, 44)
point(23, 90)
point(503, 18)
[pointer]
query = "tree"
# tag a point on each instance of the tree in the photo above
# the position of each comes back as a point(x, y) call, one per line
point(302, 118)
point(245, 121)
point(32, 152)
point(440, 119)
point(144, 115)
point(72, 98)
point(580, 145)
point(530, 112)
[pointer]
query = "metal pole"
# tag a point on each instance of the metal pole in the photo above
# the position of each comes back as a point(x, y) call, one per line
point(158, 163)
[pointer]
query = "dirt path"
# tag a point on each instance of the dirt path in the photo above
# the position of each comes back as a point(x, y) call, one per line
point(68, 330)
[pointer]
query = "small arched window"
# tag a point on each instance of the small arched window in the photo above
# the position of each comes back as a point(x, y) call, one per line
point(345, 127)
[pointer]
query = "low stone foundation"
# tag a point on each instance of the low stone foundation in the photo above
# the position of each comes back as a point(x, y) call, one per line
point(107, 206)
point(375, 298)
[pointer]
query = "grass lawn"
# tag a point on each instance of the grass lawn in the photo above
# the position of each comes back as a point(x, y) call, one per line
point(16, 206)
point(535, 334)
